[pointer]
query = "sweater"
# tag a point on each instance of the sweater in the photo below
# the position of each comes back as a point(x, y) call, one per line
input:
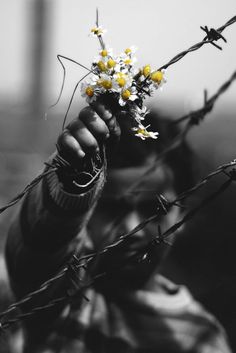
point(154, 316)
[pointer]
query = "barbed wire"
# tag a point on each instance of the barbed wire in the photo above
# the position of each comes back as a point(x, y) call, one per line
point(212, 36)
point(194, 118)
point(163, 204)
point(82, 262)
point(59, 162)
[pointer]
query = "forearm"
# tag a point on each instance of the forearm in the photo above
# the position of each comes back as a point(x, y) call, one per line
point(49, 225)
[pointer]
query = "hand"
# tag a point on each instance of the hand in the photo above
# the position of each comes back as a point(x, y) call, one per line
point(84, 135)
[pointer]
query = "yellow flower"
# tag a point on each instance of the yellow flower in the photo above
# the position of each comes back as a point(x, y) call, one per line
point(146, 70)
point(111, 63)
point(128, 51)
point(97, 31)
point(89, 91)
point(121, 81)
point(141, 131)
point(121, 75)
point(101, 65)
point(128, 61)
point(107, 84)
point(104, 53)
point(126, 94)
point(157, 76)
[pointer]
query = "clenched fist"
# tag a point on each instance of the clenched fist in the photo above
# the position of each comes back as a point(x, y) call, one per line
point(84, 135)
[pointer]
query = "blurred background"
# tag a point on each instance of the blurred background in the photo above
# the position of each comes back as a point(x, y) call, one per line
point(33, 32)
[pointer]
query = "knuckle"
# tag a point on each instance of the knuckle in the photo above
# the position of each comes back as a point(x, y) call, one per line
point(113, 125)
point(63, 138)
point(85, 113)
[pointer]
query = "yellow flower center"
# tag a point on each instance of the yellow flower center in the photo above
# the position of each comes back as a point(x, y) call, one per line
point(97, 31)
point(146, 70)
point(126, 94)
point(143, 132)
point(111, 63)
point(121, 81)
point(101, 65)
point(157, 76)
point(107, 84)
point(127, 61)
point(89, 91)
point(103, 53)
point(127, 51)
point(121, 74)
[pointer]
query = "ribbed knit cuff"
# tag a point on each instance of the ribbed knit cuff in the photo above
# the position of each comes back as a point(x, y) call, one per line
point(73, 202)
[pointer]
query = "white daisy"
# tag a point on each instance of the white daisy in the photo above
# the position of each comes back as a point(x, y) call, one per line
point(158, 78)
point(141, 131)
point(128, 94)
point(105, 83)
point(122, 81)
point(139, 113)
point(89, 91)
point(97, 31)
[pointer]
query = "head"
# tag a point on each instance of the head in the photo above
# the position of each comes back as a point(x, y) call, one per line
point(123, 206)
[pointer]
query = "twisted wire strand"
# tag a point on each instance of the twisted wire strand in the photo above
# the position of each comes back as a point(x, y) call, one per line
point(199, 114)
point(198, 45)
point(193, 118)
point(59, 163)
point(82, 262)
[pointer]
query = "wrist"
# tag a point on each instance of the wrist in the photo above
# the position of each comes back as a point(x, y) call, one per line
point(81, 178)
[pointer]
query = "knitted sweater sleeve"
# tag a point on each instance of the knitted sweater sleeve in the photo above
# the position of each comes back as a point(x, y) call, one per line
point(49, 223)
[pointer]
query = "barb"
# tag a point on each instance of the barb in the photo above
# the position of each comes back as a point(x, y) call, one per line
point(194, 118)
point(164, 205)
point(58, 162)
point(26, 189)
point(197, 115)
point(192, 212)
point(82, 262)
point(213, 36)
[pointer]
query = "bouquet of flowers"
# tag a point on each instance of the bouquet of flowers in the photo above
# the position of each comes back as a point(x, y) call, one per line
point(116, 76)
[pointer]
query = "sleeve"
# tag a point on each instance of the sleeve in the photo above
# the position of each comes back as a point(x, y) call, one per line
point(49, 224)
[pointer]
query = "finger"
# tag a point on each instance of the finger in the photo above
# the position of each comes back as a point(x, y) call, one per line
point(114, 127)
point(84, 137)
point(94, 123)
point(110, 120)
point(103, 111)
point(69, 146)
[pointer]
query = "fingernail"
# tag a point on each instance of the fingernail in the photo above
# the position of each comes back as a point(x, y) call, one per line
point(107, 136)
point(81, 153)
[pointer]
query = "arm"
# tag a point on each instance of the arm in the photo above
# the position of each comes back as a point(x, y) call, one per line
point(52, 218)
